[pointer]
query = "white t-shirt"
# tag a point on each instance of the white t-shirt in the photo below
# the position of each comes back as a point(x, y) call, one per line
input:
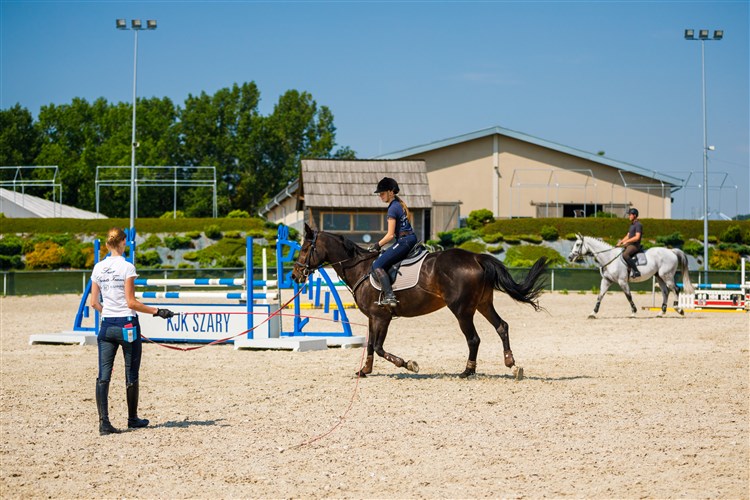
point(110, 274)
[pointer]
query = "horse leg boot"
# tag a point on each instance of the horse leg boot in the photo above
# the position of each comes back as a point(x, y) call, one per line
point(389, 299)
point(134, 422)
point(102, 405)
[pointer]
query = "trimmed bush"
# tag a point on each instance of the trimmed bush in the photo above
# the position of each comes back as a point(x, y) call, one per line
point(11, 262)
point(46, 255)
point(724, 260)
point(526, 255)
point(233, 234)
point(479, 218)
point(531, 238)
point(152, 241)
point(176, 242)
point(492, 238)
point(11, 245)
point(238, 214)
point(672, 240)
point(213, 231)
point(148, 259)
point(549, 233)
point(733, 234)
point(193, 235)
point(693, 248)
point(473, 246)
point(172, 214)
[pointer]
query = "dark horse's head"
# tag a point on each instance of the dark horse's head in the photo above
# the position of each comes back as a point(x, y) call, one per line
point(318, 248)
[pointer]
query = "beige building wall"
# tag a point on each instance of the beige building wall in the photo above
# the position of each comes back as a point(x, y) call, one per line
point(287, 214)
point(514, 178)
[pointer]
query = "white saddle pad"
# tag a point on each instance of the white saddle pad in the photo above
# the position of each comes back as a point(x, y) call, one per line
point(407, 276)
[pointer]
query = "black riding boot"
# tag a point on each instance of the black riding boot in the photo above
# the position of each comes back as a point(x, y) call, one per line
point(633, 263)
point(102, 405)
point(132, 396)
point(389, 299)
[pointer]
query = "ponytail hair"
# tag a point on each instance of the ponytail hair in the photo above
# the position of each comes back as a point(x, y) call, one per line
point(403, 205)
point(115, 236)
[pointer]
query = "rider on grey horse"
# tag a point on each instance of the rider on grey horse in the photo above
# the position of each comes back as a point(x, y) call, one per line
point(632, 242)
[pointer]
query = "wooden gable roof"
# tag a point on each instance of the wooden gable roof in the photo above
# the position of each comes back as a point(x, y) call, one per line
point(350, 184)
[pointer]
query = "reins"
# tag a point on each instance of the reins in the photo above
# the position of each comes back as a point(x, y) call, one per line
point(306, 270)
point(602, 267)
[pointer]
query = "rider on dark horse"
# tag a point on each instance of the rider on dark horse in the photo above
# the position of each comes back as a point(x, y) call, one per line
point(399, 228)
point(632, 242)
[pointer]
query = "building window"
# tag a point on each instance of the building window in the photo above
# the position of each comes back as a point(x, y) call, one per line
point(336, 222)
point(368, 222)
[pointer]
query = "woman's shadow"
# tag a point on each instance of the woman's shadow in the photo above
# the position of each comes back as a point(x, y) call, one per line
point(190, 423)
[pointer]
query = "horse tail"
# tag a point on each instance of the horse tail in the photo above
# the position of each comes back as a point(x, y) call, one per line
point(527, 291)
point(687, 285)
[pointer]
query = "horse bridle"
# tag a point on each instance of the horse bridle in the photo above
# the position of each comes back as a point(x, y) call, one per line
point(580, 255)
point(306, 269)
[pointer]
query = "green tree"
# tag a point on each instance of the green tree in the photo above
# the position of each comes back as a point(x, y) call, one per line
point(221, 131)
point(19, 139)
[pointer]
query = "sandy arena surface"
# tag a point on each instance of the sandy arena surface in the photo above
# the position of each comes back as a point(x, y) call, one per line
point(609, 408)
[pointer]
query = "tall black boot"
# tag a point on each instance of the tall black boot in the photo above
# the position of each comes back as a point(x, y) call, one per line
point(633, 263)
point(102, 405)
point(389, 299)
point(132, 396)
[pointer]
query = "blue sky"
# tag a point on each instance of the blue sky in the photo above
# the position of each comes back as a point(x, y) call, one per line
point(611, 76)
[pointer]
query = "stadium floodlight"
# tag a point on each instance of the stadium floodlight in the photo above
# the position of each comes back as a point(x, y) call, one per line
point(703, 37)
point(136, 25)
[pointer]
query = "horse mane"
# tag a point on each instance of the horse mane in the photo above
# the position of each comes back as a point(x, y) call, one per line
point(595, 238)
point(351, 248)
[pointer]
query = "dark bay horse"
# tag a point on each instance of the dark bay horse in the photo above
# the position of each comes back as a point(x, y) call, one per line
point(462, 280)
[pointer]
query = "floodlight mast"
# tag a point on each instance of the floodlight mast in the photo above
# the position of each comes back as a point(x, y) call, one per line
point(135, 26)
point(703, 36)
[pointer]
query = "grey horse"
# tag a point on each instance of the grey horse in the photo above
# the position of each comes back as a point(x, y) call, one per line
point(660, 262)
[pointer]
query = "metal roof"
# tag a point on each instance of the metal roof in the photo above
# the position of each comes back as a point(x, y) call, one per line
point(20, 205)
point(628, 167)
point(351, 183)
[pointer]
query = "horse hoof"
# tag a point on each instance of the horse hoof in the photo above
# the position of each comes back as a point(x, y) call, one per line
point(591, 316)
point(412, 366)
point(361, 374)
point(467, 373)
point(681, 312)
point(660, 314)
point(518, 372)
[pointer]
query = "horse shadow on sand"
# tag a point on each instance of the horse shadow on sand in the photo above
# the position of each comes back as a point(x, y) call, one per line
point(478, 376)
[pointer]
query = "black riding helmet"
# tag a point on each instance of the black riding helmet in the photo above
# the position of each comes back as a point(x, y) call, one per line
point(387, 184)
point(633, 211)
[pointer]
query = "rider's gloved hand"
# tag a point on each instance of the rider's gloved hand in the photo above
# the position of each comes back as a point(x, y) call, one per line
point(164, 313)
point(374, 247)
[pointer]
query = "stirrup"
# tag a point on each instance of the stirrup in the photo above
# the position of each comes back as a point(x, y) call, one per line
point(388, 302)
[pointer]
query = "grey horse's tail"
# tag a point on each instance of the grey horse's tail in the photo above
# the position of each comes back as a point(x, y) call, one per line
point(687, 285)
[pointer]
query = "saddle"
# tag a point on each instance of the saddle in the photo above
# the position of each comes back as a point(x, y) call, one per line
point(640, 258)
point(405, 274)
